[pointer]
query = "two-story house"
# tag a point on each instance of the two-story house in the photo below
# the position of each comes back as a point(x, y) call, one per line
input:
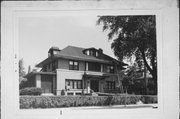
point(74, 69)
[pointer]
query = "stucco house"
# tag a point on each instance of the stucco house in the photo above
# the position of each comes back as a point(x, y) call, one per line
point(76, 69)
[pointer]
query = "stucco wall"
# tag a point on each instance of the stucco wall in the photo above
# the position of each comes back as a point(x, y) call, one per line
point(38, 81)
point(62, 75)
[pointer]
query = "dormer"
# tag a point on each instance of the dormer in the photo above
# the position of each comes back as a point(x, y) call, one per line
point(93, 52)
point(53, 51)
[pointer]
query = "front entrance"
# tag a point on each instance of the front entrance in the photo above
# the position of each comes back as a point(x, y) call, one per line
point(47, 83)
point(95, 85)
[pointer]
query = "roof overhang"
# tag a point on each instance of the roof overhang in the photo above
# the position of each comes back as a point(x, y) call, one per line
point(46, 61)
point(51, 58)
point(89, 76)
point(41, 73)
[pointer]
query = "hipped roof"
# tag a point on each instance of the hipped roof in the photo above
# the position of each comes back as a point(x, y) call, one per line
point(76, 53)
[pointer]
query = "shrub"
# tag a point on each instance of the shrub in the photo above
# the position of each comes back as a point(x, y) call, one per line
point(74, 101)
point(62, 92)
point(31, 91)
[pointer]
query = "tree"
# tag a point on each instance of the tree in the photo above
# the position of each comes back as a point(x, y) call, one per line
point(133, 36)
point(22, 73)
point(21, 70)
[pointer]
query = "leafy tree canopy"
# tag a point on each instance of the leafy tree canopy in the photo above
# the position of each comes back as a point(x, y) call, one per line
point(21, 70)
point(133, 36)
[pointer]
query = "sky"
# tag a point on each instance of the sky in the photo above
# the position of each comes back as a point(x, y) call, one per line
point(38, 34)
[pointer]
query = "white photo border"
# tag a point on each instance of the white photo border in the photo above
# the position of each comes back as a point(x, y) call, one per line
point(12, 11)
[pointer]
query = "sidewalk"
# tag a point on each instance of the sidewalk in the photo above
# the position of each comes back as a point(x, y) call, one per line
point(132, 106)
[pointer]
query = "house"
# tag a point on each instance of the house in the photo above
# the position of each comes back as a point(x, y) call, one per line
point(76, 69)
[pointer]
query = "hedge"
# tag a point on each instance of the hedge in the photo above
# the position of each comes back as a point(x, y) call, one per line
point(27, 102)
point(31, 91)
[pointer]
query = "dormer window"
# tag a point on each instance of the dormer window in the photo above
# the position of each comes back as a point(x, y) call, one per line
point(96, 54)
point(87, 52)
point(93, 52)
point(55, 52)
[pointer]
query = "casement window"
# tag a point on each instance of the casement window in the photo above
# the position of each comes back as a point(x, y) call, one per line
point(73, 65)
point(110, 85)
point(74, 84)
point(94, 66)
point(110, 69)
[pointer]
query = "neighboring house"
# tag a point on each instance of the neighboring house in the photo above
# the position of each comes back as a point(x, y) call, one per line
point(75, 69)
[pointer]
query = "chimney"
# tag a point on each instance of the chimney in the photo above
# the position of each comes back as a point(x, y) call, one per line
point(53, 51)
point(100, 51)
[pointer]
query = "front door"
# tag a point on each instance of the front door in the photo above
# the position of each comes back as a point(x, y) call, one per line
point(95, 85)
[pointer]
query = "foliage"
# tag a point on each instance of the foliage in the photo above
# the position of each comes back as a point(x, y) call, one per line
point(31, 91)
point(22, 73)
point(76, 101)
point(63, 92)
point(21, 68)
point(133, 36)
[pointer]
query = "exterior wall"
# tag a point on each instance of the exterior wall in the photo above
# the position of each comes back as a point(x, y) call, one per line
point(49, 68)
point(54, 85)
point(105, 68)
point(62, 75)
point(64, 64)
point(81, 66)
point(38, 81)
point(31, 81)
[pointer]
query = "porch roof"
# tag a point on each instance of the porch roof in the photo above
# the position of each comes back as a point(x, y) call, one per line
point(94, 76)
point(34, 73)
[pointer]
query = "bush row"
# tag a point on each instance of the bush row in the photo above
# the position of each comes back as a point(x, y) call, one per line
point(74, 101)
point(31, 91)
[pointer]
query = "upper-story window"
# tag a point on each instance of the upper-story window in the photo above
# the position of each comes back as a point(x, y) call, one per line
point(44, 69)
point(110, 69)
point(94, 66)
point(73, 65)
point(92, 52)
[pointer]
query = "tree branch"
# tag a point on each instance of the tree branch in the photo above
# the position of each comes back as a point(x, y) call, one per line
point(145, 61)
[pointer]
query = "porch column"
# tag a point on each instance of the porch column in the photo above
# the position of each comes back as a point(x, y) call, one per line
point(86, 66)
point(54, 85)
point(88, 86)
point(101, 67)
point(38, 81)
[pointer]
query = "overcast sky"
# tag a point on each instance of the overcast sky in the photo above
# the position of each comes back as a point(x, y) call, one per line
point(38, 34)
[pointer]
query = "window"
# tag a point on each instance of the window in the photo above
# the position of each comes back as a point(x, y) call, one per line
point(110, 85)
point(94, 67)
point(110, 69)
point(44, 68)
point(73, 65)
point(74, 84)
point(55, 52)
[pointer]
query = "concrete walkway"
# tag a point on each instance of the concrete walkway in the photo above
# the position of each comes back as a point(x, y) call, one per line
point(133, 106)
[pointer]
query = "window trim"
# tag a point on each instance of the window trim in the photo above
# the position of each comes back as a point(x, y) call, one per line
point(73, 66)
point(110, 85)
point(94, 64)
point(67, 81)
point(109, 70)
